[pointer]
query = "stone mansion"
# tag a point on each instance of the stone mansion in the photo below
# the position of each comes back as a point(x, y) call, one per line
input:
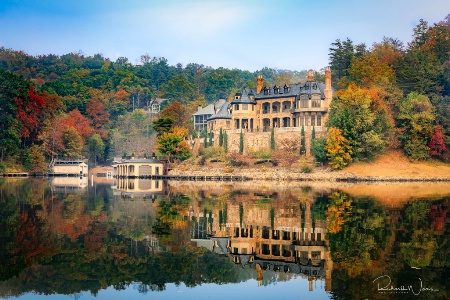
point(255, 112)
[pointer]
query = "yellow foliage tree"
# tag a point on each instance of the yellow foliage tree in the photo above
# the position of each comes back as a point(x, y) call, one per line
point(338, 149)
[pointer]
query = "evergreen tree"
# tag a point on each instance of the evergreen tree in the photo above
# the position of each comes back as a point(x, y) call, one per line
point(210, 138)
point(272, 139)
point(302, 142)
point(313, 136)
point(225, 141)
point(205, 141)
point(220, 138)
point(241, 142)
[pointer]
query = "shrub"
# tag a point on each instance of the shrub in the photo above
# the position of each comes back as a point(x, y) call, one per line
point(263, 154)
point(306, 168)
point(212, 152)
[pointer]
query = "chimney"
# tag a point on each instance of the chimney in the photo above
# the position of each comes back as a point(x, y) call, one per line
point(199, 108)
point(310, 75)
point(260, 84)
point(328, 78)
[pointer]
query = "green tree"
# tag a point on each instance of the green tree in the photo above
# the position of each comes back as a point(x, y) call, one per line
point(225, 141)
point(241, 142)
point(416, 123)
point(96, 147)
point(163, 124)
point(272, 139)
point(302, 142)
point(318, 149)
point(210, 144)
point(220, 138)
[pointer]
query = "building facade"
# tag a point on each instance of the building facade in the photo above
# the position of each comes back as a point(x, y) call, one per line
point(285, 109)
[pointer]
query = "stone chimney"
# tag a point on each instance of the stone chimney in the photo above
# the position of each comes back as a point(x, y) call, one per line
point(260, 84)
point(328, 78)
point(199, 108)
point(310, 75)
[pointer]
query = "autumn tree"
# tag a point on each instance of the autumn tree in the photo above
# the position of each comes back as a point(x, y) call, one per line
point(179, 114)
point(363, 120)
point(338, 149)
point(73, 143)
point(100, 117)
point(416, 124)
point(173, 144)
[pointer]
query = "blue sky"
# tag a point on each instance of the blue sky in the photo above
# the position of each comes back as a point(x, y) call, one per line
point(244, 34)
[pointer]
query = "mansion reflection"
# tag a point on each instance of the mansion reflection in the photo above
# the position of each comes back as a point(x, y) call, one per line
point(285, 238)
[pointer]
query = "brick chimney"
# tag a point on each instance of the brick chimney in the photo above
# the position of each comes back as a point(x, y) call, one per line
point(328, 78)
point(260, 84)
point(310, 75)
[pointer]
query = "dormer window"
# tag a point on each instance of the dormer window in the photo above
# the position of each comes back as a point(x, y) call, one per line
point(275, 89)
point(315, 86)
point(266, 91)
point(286, 89)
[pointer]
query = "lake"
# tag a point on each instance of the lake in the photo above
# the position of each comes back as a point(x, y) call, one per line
point(70, 238)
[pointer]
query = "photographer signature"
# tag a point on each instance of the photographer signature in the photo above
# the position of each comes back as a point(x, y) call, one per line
point(388, 287)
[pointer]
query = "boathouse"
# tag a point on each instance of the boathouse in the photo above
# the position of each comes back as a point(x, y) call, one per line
point(137, 168)
point(77, 167)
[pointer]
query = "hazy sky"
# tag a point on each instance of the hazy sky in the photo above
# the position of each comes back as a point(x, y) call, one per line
point(249, 35)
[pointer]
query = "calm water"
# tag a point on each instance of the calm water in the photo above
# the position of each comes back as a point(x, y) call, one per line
point(139, 239)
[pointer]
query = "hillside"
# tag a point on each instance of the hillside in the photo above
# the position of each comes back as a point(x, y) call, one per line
point(395, 164)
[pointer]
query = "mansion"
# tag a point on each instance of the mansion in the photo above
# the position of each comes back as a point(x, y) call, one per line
point(255, 112)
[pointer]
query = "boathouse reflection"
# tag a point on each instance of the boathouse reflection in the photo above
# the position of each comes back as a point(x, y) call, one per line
point(137, 188)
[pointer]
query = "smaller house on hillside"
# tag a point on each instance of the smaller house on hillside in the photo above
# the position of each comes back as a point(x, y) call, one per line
point(201, 117)
point(76, 167)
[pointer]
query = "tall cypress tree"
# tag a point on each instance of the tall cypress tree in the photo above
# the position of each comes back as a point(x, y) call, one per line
point(302, 142)
point(205, 141)
point(220, 138)
point(210, 138)
point(225, 141)
point(241, 142)
point(313, 137)
point(272, 139)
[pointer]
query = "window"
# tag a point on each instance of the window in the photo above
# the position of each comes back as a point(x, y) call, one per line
point(244, 106)
point(266, 91)
point(304, 103)
point(313, 120)
point(275, 90)
point(156, 170)
point(228, 124)
point(319, 120)
point(236, 107)
point(302, 121)
point(315, 103)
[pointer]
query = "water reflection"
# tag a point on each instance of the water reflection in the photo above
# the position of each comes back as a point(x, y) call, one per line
point(153, 233)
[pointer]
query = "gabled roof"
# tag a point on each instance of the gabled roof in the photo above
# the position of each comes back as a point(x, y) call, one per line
point(207, 110)
point(313, 88)
point(309, 88)
point(223, 113)
point(246, 96)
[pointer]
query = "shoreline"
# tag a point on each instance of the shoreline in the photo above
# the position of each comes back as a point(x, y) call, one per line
point(285, 174)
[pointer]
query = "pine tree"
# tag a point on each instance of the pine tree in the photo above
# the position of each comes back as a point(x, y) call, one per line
point(220, 138)
point(241, 142)
point(302, 142)
point(272, 139)
point(313, 137)
point(210, 138)
point(225, 141)
point(205, 141)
